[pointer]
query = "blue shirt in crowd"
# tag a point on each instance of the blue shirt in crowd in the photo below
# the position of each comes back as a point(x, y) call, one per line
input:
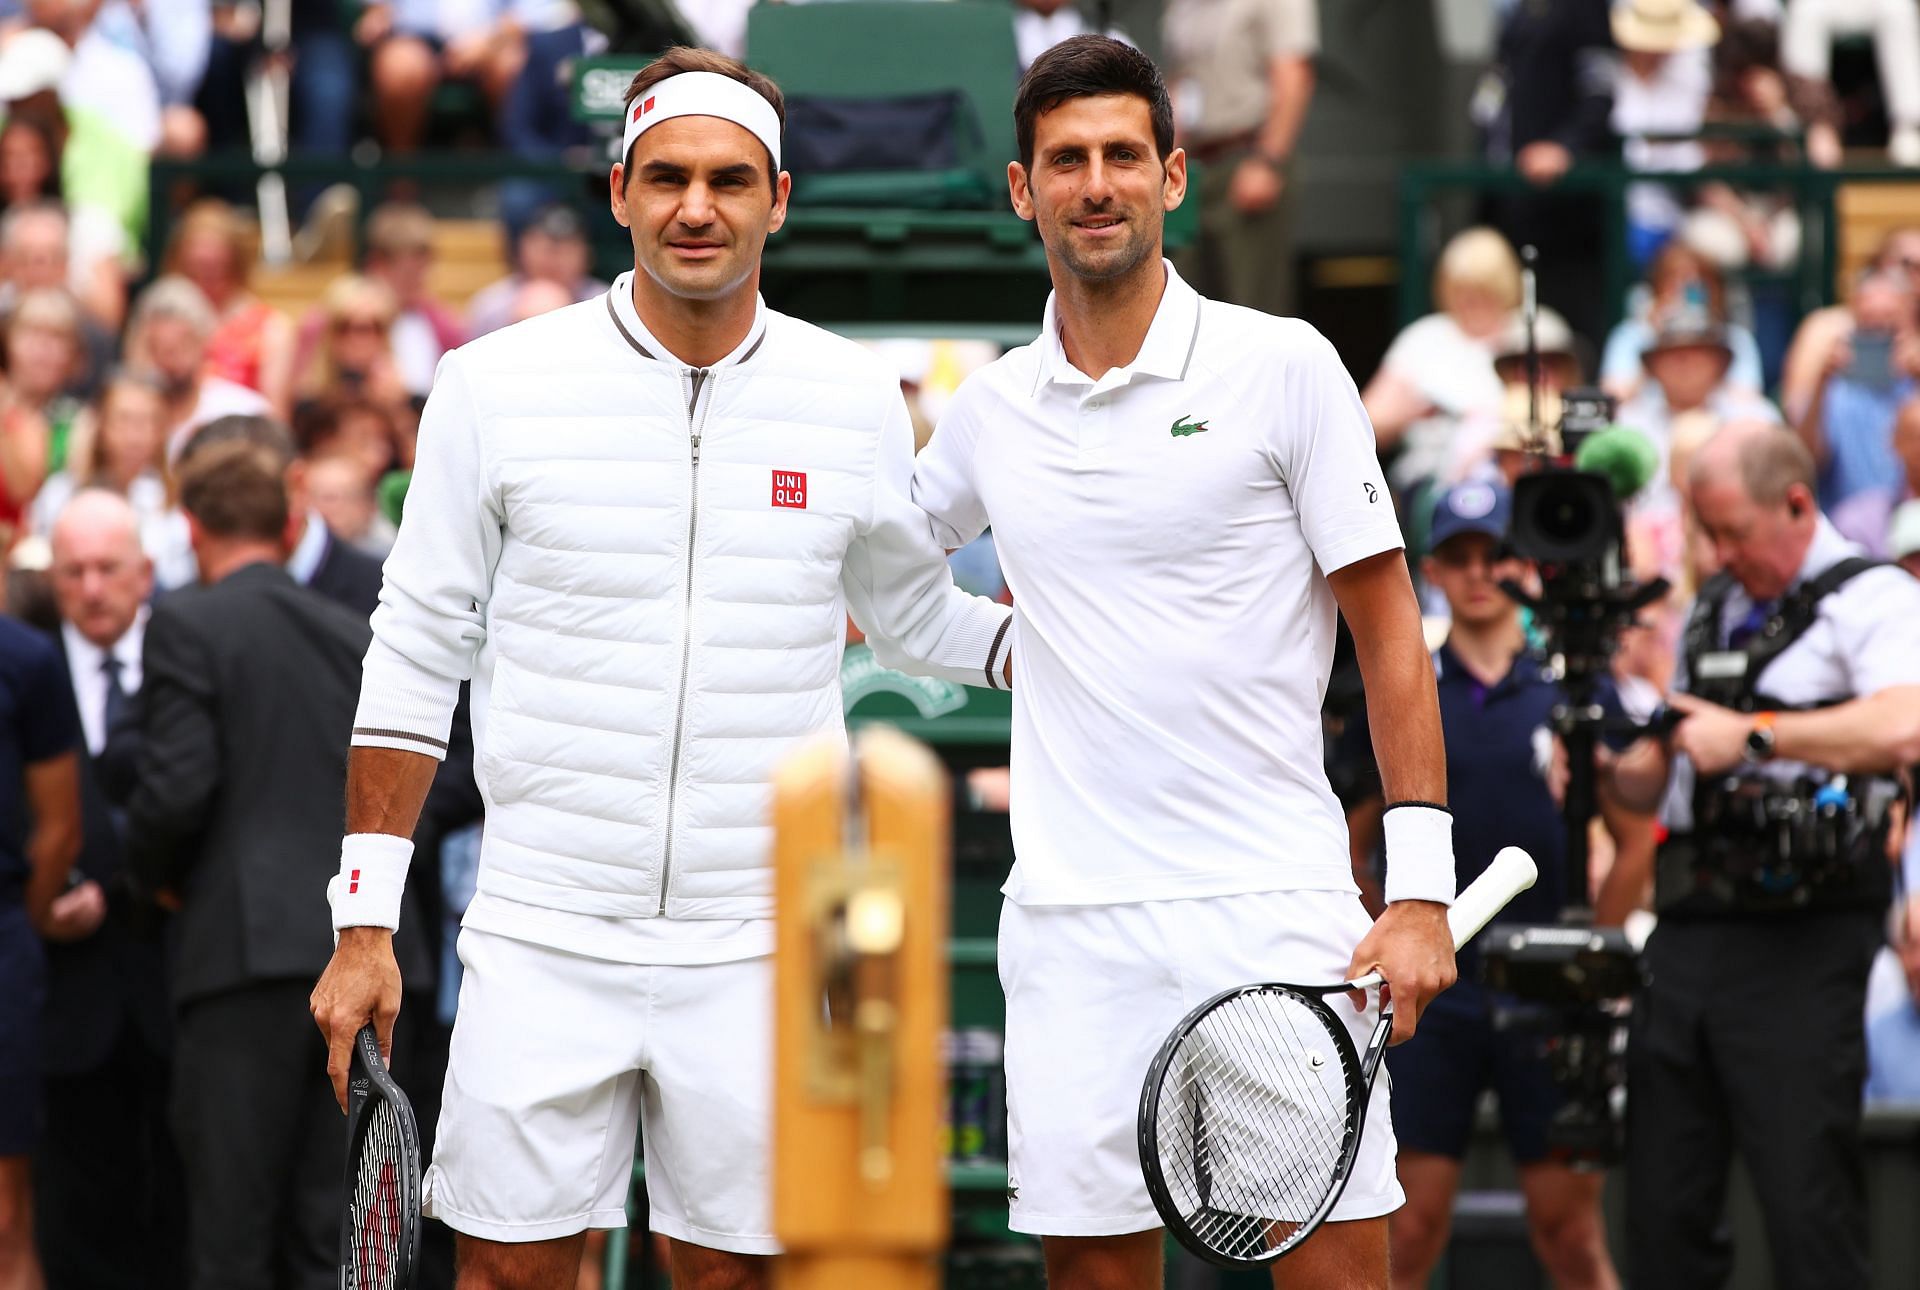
point(1858, 422)
point(38, 721)
point(1893, 1055)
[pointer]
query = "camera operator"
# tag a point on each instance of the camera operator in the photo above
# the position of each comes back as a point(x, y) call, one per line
point(1496, 703)
point(1799, 693)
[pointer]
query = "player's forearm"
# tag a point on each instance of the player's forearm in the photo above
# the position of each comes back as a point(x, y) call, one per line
point(1875, 735)
point(386, 789)
point(1406, 725)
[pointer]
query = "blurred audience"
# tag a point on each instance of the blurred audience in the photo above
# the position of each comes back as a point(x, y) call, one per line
point(44, 351)
point(173, 324)
point(340, 489)
point(1807, 32)
point(1245, 74)
point(400, 256)
point(35, 256)
point(1680, 278)
point(1665, 82)
point(96, 244)
point(552, 248)
point(1039, 25)
point(355, 355)
point(100, 166)
point(1545, 104)
point(1869, 371)
point(339, 572)
point(1898, 253)
point(253, 343)
point(1893, 1037)
point(103, 76)
point(323, 83)
point(124, 454)
point(416, 44)
point(174, 39)
point(1494, 437)
point(1440, 368)
point(108, 1037)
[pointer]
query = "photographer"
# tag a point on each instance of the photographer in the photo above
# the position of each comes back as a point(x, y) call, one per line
point(1496, 703)
point(1799, 693)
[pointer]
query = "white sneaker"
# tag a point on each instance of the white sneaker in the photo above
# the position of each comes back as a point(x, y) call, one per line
point(1903, 148)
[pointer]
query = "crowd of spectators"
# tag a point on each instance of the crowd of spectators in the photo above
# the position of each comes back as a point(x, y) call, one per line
point(118, 354)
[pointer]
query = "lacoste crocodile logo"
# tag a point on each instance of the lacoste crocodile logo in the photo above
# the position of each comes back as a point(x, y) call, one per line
point(1187, 425)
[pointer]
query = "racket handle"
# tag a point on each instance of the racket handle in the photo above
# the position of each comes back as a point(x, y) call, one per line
point(1511, 873)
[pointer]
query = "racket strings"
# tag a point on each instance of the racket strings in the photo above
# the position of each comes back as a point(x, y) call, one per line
point(1253, 1122)
point(380, 1203)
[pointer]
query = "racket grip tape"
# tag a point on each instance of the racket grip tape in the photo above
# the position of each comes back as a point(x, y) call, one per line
point(1511, 873)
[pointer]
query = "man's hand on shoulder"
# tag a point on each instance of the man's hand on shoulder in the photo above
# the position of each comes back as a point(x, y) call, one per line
point(361, 984)
point(1411, 947)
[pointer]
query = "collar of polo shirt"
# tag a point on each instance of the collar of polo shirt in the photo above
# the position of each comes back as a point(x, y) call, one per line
point(1167, 351)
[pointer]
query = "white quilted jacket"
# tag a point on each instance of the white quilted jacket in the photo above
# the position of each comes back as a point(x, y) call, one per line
point(646, 570)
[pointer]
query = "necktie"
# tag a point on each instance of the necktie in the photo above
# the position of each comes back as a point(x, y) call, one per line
point(1747, 628)
point(116, 694)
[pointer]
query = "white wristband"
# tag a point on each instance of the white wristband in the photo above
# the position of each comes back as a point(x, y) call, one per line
point(373, 873)
point(1419, 853)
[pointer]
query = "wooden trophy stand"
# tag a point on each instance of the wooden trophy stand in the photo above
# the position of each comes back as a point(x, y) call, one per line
point(860, 887)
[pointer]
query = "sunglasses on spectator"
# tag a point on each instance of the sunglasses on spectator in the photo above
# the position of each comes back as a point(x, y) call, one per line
point(345, 326)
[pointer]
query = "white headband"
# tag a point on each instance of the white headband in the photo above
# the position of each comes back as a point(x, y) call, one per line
point(704, 94)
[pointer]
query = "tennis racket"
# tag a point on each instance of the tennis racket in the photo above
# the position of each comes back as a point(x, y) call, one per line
point(1251, 1115)
point(381, 1227)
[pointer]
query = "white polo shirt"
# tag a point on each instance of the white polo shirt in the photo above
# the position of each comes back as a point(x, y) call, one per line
point(1165, 531)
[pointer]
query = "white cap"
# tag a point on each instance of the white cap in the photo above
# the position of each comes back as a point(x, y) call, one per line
point(32, 61)
point(704, 94)
point(1903, 536)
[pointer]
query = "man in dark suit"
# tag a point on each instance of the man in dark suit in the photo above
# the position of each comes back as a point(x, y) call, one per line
point(316, 558)
point(107, 1027)
point(250, 687)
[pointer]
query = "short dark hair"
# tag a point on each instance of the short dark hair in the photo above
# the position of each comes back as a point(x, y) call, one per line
point(262, 432)
point(685, 58)
point(236, 490)
point(1082, 67)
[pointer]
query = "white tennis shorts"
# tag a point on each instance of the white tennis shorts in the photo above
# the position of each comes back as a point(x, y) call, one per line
point(1092, 993)
point(558, 1059)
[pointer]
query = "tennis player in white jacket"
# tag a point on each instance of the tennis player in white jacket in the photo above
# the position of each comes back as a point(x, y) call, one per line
point(638, 524)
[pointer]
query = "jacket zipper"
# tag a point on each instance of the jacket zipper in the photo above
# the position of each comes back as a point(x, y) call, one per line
point(698, 379)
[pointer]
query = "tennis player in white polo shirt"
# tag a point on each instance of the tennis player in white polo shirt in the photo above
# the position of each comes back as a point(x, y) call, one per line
point(639, 524)
point(1180, 492)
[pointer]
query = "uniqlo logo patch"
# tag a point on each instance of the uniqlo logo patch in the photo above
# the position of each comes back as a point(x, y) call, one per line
point(353, 882)
point(790, 489)
point(641, 108)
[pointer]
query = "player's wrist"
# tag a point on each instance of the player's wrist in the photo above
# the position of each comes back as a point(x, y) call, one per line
point(1419, 846)
point(373, 876)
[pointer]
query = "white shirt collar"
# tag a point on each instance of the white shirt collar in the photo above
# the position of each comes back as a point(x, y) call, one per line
point(86, 664)
point(638, 335)
point(304, 563)
point(1167, 351)
point(1827, 549)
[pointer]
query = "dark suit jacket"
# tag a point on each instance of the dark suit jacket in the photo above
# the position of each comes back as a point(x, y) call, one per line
point(248, 696)
point(348, 576)
point(116, 976)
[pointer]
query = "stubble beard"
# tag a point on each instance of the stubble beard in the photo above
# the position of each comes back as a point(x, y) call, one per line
point(1111, 265)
